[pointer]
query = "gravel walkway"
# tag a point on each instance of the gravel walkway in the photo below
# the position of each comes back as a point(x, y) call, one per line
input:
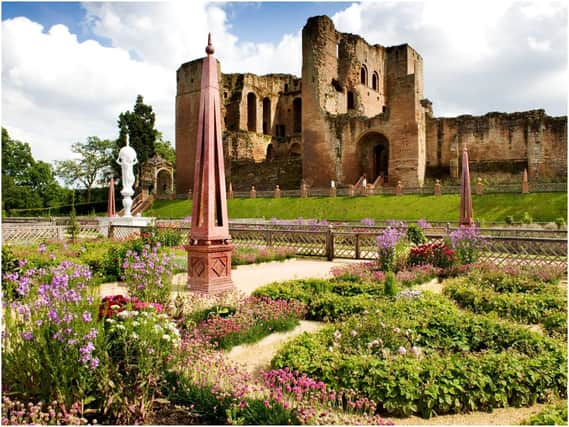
point(247, 278)
point(257, 356)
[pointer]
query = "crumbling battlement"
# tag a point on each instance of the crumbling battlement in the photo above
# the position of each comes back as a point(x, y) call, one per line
point(358, 109)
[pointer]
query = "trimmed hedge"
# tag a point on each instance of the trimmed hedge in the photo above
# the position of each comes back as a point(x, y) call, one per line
point(522, 301)
point(326, 299)
point(462, 361)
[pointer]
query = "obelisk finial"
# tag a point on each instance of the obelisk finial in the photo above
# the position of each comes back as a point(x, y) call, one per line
point(209, 49)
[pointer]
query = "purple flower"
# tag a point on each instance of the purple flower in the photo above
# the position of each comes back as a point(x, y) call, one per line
point(423, 224)
point(42, 248)
point(53, 316)
point(368, 222)
point(28, 336)
point(402, 351)
point(86, 317)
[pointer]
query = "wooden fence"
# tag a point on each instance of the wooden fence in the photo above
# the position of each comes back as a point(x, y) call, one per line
point(502, 246)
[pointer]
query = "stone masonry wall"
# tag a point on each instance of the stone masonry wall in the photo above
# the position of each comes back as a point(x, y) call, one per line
point(508, 142)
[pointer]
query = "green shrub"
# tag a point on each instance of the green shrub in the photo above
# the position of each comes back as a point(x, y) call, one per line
point(166, 236)
point(416, 234)
point(560, 221)
point(521, 307)
point(426, 357)
point(325, 299)
point(390, 285)
point(509, 220)
point(526, 218)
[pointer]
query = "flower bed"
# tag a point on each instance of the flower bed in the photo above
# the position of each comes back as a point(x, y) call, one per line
point(424, 356)
point(248, 320)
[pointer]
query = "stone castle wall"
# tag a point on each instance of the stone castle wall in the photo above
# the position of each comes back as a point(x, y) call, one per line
point(507, 142)
point(357, 109)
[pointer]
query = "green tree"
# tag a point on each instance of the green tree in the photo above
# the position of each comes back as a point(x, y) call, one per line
point(26, 183)
point(139, 125)
point(91, 167)
point(165, 149)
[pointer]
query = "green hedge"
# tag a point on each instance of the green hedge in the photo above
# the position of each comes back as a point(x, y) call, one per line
point(326, 299)
point(465, 362)
point(524, 302)
point(551, 415)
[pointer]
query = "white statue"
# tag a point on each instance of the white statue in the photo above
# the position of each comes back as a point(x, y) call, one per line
point(127, 159)
point(332, 184)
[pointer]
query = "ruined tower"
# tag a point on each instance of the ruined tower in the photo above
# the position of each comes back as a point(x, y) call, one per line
point(362, 108)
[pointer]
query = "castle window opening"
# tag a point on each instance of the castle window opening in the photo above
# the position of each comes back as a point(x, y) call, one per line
point(350, 100)
point(374, 81)
point(266, 116)
point(363, 75)
point(252, 112)
point(286, 87)
point(297, 114)
point(280, 129)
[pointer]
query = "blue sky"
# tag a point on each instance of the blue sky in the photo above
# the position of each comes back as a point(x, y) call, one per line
point(69, 69)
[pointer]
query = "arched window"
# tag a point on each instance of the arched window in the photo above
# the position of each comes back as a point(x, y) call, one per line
point(252, 112)
point(297, 115)
point(266, 116)
point(363, 75)
point(375, 81)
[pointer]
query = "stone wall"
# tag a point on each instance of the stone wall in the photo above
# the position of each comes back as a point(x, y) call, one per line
point(507, 142)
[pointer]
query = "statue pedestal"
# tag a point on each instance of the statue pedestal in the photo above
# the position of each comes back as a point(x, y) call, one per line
point(136, 222)
point(209, 268)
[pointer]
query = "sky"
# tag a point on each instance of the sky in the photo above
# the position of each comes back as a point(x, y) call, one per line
point(69, 69)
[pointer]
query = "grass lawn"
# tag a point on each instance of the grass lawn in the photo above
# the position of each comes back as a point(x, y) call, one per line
point(542, 207)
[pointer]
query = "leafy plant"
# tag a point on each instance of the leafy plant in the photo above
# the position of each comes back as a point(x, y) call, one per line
point(416, 234)
point(390, 285)
point(526, 218)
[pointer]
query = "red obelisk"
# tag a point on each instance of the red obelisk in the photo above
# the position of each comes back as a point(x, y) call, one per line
point(111, 210)
point(466, 215)
point(209, 250)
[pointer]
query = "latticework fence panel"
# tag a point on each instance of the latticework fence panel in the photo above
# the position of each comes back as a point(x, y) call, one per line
point(125, 232)
point(344, 245)
point(312, 243)
point(249, 238)
point(31, 233)
point(368, 246)
point(520, 251)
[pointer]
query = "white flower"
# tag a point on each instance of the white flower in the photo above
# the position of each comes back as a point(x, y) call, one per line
point(166, 337)
point(158, 328)
point(111, 321)
point(135, 323)
point(134, 335)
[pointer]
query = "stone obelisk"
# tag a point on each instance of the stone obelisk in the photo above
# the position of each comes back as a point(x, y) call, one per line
point(209, 250)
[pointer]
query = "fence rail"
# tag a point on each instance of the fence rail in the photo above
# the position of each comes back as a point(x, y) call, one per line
point(501, 246)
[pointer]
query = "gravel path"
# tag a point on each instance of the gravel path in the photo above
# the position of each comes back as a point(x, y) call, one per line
point(257, 356)
point(500, 416)
point(247, 278)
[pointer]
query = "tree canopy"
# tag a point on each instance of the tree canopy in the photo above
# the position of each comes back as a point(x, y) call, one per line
point(91, 168)
point(26, 183)
point(139, 125)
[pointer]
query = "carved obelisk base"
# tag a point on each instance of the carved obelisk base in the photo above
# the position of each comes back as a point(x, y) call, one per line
point(209, 268)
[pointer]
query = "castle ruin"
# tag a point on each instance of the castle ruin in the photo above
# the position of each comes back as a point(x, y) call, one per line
point(358, 110)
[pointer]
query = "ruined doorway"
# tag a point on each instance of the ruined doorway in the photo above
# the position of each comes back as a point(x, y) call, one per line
point(252, 112)
point(164, 182)
point(373, 153)
point(266, 116)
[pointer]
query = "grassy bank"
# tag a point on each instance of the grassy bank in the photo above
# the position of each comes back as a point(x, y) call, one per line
point(489, 207)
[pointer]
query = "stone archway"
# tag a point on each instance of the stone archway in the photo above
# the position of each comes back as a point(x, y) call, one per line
point(164, 183)
point(373, 155)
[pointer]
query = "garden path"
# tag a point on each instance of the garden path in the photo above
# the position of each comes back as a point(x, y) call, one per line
point(500, 416)
point(257, 356)
point(247, 278)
